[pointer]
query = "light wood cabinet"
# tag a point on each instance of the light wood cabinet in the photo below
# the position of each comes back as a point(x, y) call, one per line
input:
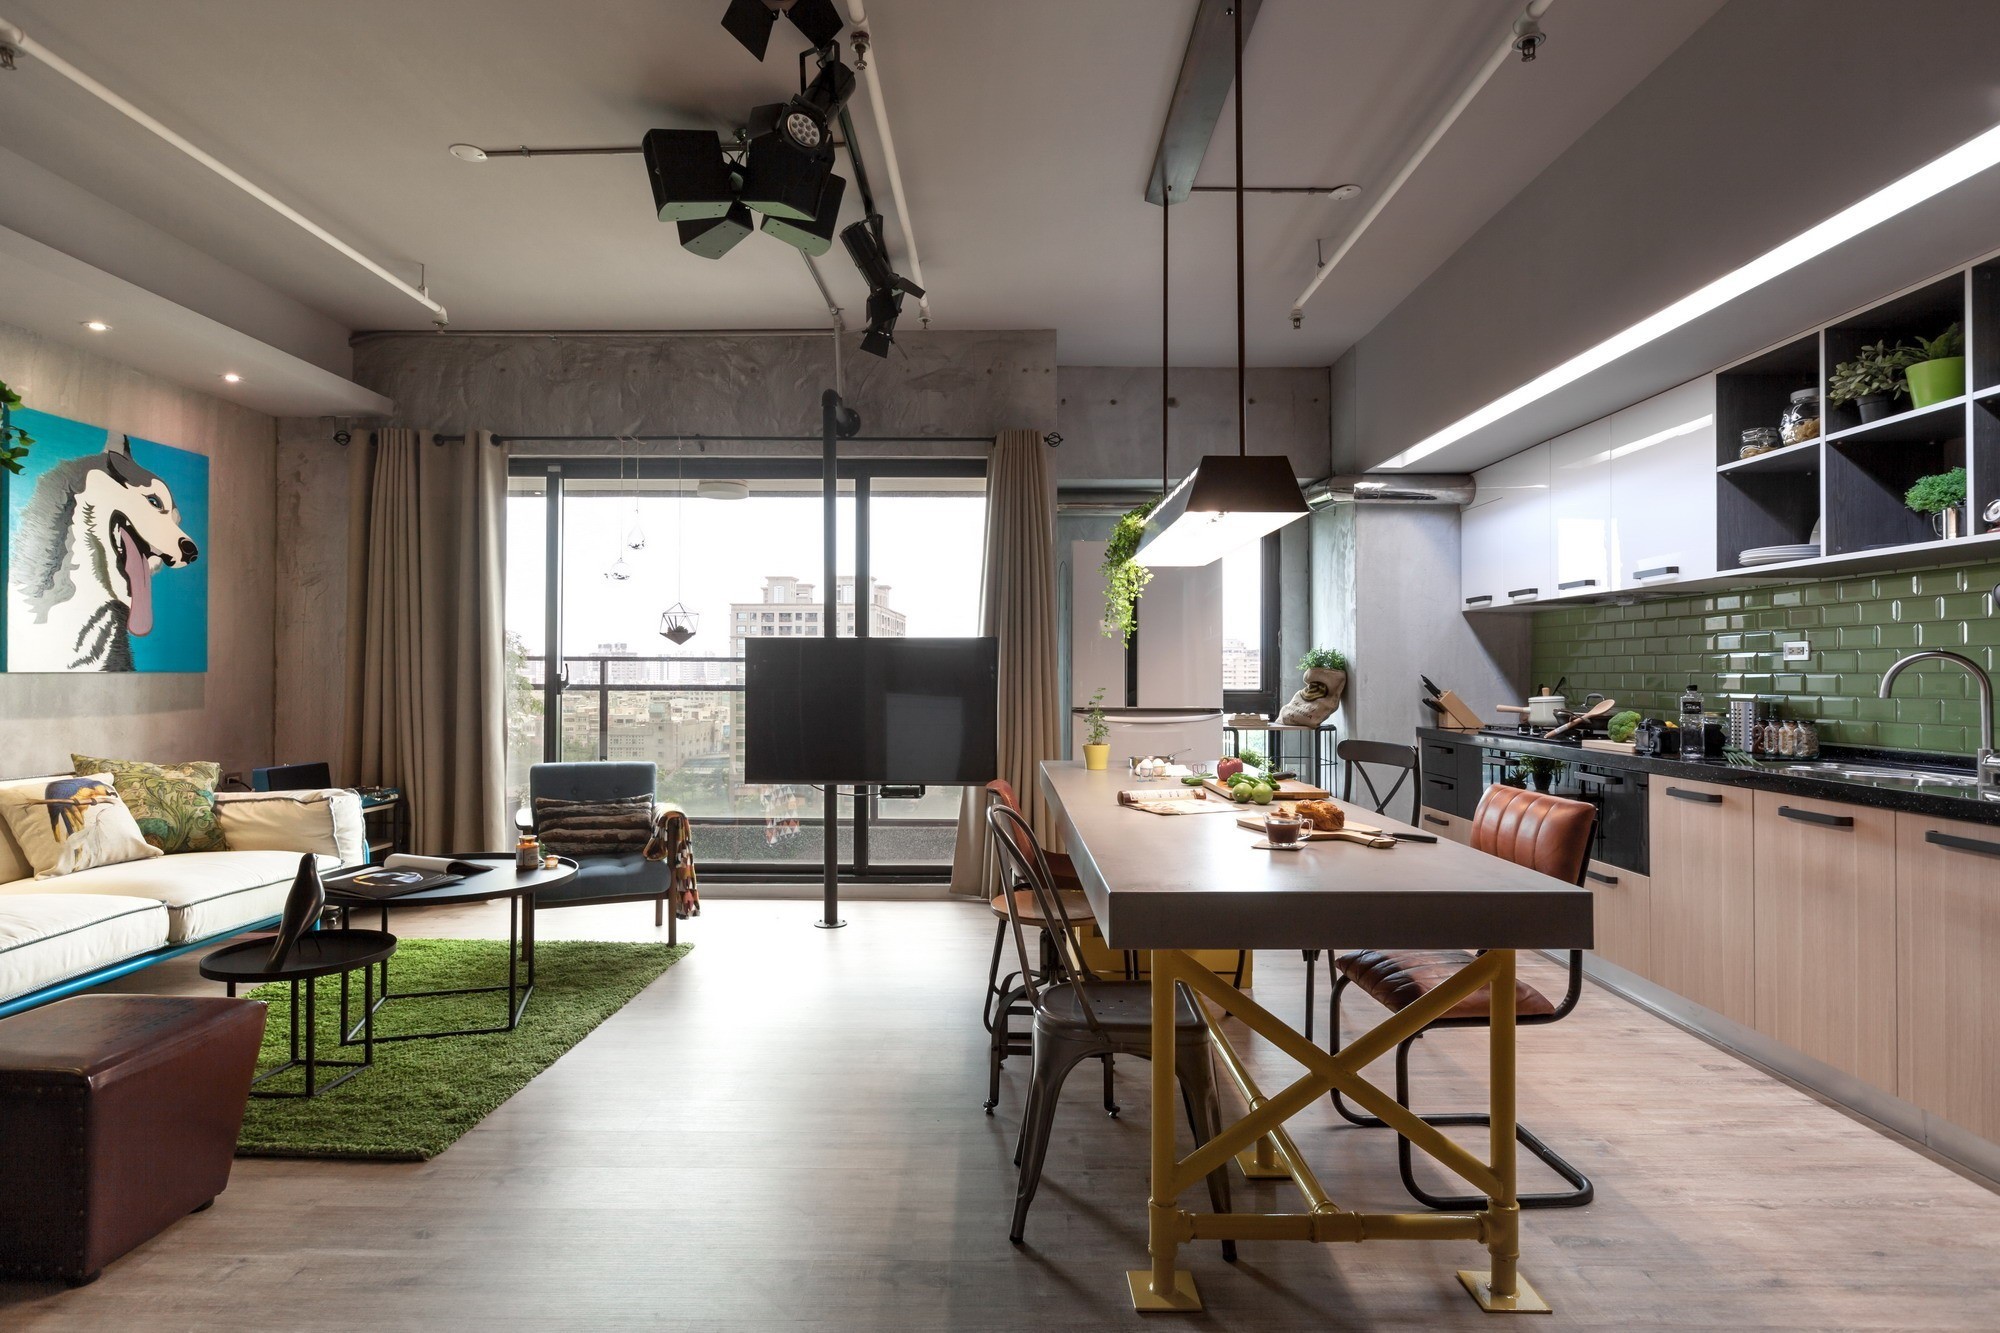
point(1455, 827)
point(1948, 969)
point(1621, 906)
point(1701, 904)
point(1826, 912)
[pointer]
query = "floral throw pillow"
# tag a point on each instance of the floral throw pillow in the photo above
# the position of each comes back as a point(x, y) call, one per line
point(174, 803)
point(69, 824)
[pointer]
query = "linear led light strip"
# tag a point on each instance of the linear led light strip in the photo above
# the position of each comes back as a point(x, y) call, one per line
point(26, 45)
point(1934, 177)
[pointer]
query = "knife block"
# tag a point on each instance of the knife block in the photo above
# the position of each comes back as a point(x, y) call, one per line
point(1457, 716)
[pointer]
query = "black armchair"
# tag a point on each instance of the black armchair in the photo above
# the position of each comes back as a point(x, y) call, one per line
point(605, 877)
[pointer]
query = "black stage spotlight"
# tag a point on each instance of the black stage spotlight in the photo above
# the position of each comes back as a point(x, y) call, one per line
point(750, 21)
point(690, 176)
point(814, 237)
point(791, 146)
point(712, 238)
point(886, 287)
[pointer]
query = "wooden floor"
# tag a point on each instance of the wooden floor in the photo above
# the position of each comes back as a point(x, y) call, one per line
point(784, 1131)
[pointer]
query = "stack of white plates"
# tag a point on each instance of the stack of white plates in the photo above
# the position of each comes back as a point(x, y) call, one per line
point(1771, 555)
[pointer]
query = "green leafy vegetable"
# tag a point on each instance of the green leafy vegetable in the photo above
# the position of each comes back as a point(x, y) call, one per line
point(1623, 726)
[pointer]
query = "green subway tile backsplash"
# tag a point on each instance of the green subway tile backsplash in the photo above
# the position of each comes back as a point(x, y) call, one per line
point(1731, 644)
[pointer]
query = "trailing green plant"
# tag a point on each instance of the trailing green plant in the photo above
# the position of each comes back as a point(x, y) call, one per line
point(1323, 659)
point(1875, 372)
point(1098, 731)
point(1949, 343)
point(1937, 492)
point(14, 441)
point(1125, 579)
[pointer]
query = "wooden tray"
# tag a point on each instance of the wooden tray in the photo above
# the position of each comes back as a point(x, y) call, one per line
point(1358, 833)
point(1609, 747)
point(1289, 789)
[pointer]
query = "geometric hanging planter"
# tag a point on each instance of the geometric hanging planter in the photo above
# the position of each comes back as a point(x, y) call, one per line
point(678, 624)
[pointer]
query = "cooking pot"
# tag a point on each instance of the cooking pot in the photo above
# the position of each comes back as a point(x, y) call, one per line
point(1545, 710)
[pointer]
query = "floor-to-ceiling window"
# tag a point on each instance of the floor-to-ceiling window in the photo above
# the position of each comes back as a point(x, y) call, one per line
point(1250, 627)
point(601, 550)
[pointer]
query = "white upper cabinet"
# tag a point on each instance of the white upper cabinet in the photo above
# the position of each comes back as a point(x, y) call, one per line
point(1580, 510)
point(1663, 458)
point(1505, 551)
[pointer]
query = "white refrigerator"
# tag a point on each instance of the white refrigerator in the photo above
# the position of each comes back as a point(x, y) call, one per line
point(1179, 644)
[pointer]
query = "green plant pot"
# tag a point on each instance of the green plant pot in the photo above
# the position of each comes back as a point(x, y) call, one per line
point(1936, 381)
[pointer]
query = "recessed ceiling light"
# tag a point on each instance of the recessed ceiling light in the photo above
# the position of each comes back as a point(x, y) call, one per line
point(1899, 196)
point(231, 377)
point(468, 152)
point(1343, 192)
point(96, 326)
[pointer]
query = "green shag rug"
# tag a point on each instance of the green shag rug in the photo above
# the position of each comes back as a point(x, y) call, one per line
point(421, 1095)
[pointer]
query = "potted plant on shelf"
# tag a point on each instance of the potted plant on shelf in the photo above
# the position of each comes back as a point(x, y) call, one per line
point(14, 441)
point(1097, 736)
point(1124, 578)
point(1872, 380)
point(1942, 496)
point(1936, 372)
point(1326, 680)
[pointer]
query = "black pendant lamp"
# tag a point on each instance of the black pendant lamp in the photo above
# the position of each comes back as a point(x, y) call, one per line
point(1229, 500)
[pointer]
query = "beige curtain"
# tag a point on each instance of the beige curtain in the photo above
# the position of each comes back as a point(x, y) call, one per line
point(425, 685)
point(1018, 604)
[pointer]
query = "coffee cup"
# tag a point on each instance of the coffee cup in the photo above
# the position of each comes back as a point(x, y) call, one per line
point(1284, 830)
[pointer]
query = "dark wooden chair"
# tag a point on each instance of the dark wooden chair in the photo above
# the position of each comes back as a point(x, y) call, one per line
point(1546, 833)
point(1356, 759)
point(1078, 1017)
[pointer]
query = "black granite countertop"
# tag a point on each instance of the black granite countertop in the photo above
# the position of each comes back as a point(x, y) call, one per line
point(1937, 800)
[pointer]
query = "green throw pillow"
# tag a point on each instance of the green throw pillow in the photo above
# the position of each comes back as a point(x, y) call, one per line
point(174, 803)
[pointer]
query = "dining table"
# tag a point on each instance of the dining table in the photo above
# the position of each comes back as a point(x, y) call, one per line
point(1165, 885)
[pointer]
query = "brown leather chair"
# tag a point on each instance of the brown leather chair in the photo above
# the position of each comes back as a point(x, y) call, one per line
point(118, 1117)
point(1551, 834)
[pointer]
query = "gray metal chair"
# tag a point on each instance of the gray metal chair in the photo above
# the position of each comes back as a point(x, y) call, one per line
point(1355, 758)
point(612, 877)
point(1078, 1018)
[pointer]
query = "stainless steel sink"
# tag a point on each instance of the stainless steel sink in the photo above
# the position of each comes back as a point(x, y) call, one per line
point(1883, 774)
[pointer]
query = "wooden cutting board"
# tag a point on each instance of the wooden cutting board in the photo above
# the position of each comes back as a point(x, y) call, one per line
point(1358, 833)
point(1289, 789)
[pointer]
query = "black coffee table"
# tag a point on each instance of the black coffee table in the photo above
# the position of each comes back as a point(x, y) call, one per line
point(518, 887)
point(319, 953)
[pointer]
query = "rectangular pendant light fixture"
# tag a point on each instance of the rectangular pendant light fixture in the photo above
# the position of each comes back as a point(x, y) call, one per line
point(1899, 196)
point(1230, 500)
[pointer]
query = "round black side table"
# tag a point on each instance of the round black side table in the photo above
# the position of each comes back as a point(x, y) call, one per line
point(319, 953)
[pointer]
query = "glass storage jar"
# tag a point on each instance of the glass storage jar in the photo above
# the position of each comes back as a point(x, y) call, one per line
point(1801, 420)
point(1758, 440)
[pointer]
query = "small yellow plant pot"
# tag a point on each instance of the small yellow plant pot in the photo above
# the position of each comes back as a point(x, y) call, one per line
point(1097, 758)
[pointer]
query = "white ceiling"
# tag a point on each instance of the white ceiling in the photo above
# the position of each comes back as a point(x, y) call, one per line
point(1025, 129)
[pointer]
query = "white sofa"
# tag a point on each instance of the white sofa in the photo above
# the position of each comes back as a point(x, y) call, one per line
point(100, 920)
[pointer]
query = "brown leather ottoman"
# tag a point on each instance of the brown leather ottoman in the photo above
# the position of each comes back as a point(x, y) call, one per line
point(118, 1117)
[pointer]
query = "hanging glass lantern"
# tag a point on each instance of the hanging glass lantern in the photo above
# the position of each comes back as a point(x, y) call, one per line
point(678, 624)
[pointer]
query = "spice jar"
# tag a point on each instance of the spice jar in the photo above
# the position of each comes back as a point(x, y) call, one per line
point(1801, 420)
point(1806, 746)
point(527, 852)
point(1758, 440)
point(1788, 740)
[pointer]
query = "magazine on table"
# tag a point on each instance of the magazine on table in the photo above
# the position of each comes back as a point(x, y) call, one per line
point(402, 873)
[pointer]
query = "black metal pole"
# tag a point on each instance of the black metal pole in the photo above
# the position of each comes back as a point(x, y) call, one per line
point(829, 414)
point(864, 612)
point(1242, 358)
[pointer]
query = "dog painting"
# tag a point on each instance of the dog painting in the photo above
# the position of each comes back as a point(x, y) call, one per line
point(105, 542)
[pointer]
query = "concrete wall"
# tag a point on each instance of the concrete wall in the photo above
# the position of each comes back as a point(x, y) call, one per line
point(1775, 114)
point(1109, 417)
point(225, 714)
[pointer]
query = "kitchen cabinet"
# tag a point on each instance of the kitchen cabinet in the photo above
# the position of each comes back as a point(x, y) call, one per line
point(1504, 547)
point(1580, 510)
point(1947, 970)
point(1701, 905)
point(1456, 827)
point(1826, 912)
point(1662, 511)
point(1621, 906)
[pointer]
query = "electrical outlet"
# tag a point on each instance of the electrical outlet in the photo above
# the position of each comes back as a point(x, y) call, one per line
point(233, 781)
point(1798, 650)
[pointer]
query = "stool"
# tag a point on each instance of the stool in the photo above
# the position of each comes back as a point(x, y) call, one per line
point(318, 953)
point(120, 1117)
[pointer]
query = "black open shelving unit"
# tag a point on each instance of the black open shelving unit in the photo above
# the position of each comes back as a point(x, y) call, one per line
point(1850, 481)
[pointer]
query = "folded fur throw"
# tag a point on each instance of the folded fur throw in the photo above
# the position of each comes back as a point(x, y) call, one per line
point(593, 828)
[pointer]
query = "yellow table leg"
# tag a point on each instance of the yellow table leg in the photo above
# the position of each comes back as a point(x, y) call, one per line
point(1163, 1287)
point(1501, 1289)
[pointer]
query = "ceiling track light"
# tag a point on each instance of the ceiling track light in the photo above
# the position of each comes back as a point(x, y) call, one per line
point(886, 287)
point(1229, 500)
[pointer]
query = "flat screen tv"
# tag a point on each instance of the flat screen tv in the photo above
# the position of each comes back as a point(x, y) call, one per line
point(907, 711)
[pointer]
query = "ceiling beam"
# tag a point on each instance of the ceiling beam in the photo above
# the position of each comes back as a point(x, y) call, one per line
point(1207, 71)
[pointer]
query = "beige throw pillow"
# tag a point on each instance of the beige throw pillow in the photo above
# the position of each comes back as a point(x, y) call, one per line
point(64, 825)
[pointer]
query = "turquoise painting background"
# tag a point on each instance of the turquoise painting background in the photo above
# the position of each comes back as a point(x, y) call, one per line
point(179, 641)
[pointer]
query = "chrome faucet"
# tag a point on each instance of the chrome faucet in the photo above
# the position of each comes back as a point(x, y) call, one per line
point(1989, 762)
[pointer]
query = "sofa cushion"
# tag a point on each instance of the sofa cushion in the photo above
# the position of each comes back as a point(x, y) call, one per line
point(47, 937)
point(72, 823)
point(617, 875)
point(205, 893)
point(174, 803)
point(322, 820)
